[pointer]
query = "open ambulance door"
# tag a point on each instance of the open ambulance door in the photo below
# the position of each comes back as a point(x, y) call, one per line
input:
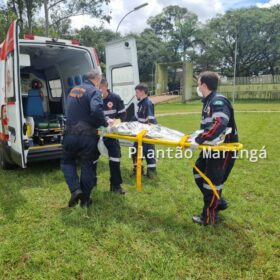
point(14, 114)
point(122, 71)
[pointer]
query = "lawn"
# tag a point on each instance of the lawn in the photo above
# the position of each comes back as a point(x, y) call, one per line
point(147, 235)
point(240, 105)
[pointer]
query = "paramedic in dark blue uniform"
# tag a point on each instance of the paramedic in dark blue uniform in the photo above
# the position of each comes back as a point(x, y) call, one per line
point(113, 107)
point(146, 115)
point(85, 114)
point(217, 116)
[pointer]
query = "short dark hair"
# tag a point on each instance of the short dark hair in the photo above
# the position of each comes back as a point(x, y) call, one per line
point(142, 87)
point(211, 79)
point(104, 82)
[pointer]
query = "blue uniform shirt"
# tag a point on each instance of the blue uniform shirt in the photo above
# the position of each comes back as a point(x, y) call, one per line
point(113, 107)
point(84, 103)
point(146, 112)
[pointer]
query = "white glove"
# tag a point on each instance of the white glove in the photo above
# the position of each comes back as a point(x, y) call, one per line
point(110, 122)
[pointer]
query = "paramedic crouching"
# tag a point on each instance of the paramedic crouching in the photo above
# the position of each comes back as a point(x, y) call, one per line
point(85, 114)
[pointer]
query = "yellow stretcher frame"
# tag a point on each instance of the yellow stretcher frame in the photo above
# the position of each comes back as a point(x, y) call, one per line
point(140, 138)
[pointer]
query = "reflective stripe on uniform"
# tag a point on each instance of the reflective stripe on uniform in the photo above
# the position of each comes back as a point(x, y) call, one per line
point(151, 117)
point(218, 188)
point(206, 120)
point(109, 112)
point(142, 120)
point(220, 114)
point(151, 165)
point(95, 161)
point(114, 159)
point(197, 176)
point(121, 111)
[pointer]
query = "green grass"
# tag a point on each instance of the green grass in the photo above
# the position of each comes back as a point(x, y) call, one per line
point(147, 235)
point(195, 106)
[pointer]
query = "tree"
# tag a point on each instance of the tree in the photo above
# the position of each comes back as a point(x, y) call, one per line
point(254, 30)
point(150, 50)
point(177, 27)
point(96, 37)
point(24, 8)
point(62, 10)
point(6, 17)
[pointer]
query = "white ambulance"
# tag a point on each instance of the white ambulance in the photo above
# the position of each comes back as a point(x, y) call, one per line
point(36, 74)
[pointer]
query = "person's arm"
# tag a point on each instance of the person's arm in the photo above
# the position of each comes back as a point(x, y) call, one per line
point(96, 110)
point(220, 116)
point(121, 112)
point(151, 114)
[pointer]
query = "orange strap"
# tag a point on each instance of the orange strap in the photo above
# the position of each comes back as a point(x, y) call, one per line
point(181, 143)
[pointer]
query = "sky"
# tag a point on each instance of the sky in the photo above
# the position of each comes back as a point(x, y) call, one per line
point(136, 21)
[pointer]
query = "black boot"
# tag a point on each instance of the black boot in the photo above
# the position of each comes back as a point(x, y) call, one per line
point(86, 202)
point(222, 204)
point(117, 189)
point(151, 173)
point(75, 197)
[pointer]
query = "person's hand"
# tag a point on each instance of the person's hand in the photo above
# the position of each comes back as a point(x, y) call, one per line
point(193, 145)
point(110, 122)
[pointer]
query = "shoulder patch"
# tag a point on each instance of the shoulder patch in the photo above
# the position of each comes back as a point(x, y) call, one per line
point(218, 102)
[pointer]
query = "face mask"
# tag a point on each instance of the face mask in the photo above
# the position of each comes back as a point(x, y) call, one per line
point(199, 93)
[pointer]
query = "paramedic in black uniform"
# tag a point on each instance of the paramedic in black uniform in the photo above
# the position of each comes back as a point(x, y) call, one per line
point(113, 107)
point(217, 115)
point(146, 115)
point(84, 107)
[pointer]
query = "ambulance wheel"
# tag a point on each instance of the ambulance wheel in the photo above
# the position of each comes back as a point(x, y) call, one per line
point(4, 164)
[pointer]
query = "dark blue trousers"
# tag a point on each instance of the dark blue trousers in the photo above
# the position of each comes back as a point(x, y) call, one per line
point(217, 170)
point(114, 151)
point(83, 147)
point(148, 153)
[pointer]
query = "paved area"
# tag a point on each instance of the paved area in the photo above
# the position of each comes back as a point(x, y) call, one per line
point(162, 98)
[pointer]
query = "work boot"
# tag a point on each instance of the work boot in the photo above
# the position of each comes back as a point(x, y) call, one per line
point(117, 189)
point(134, 171)
point(86, 202)
point(222, 204)
point(75, 197)
point(201, 221)
point(151, 173)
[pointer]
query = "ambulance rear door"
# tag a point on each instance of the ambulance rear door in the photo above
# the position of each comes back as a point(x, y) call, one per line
point(122, 71)
point(12, 97)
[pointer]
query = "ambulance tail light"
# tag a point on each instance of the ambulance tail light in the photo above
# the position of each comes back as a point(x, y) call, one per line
point(96, 56)
point(75, 42)
point(5, 121)
point(28, 36)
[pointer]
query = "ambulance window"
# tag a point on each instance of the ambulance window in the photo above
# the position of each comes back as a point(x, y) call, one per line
point(55, 87)
point(123, 82)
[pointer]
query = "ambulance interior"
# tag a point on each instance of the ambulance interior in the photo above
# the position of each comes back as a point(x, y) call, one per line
point(47, 75)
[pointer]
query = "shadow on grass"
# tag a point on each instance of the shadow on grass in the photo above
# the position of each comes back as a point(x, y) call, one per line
point(227, 243)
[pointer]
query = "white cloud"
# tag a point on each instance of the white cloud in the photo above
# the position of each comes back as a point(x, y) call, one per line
point(269, 4)
point(137, 21)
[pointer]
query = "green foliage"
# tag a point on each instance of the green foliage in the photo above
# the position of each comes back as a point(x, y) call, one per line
point(147, 235)
point(96, 37)
point(6, 17)
point(257, 34)
point(177, 27)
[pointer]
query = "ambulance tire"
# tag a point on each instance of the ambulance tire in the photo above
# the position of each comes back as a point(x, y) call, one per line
point(4, 164)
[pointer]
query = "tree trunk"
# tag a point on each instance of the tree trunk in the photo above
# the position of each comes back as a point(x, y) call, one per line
point(46, 18)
